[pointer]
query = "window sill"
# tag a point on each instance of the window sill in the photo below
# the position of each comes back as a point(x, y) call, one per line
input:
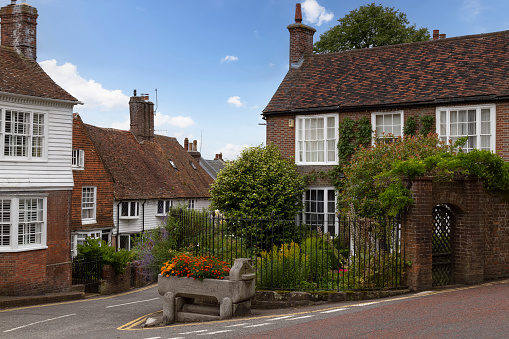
point(22, 249)
point(128, 218)
point(88, 221)
point(78, 168)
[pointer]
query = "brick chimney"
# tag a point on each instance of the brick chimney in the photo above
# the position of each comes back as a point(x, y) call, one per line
point(436, 34)
point(142, 118)
point(192, 148)
point(301, 39)
point(18, 28)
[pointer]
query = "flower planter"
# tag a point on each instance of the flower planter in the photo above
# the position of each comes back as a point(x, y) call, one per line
point(233, 294)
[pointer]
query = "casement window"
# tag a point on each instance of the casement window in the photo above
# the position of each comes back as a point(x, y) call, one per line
point(129, 210)
point(126, 241)
point(79, 238)
point(163, 207)
point(22, 135)
point(78, 159)
point(388, 125)
point(191, 204)
point(320, 209)
point(22, 223)
point(316, 139)
point(475, 122)
point(88, 205)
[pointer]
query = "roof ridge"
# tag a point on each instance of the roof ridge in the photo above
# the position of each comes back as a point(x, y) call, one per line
point(415, 43)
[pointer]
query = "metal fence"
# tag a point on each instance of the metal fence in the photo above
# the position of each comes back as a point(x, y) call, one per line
point(341, 254)
point(87, 272)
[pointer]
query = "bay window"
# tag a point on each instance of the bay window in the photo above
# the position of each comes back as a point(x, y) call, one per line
point(477, 123)
point(316, 139)
point(22, 223)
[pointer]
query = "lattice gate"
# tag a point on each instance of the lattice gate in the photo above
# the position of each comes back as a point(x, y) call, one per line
point(441, 242)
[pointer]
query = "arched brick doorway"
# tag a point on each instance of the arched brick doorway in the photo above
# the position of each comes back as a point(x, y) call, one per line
point(442, 249)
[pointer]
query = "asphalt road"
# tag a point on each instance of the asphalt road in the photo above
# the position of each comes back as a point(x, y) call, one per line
point(480, 311)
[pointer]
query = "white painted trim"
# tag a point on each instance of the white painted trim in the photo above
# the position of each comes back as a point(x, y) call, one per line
point(298, 122)
point(373, 121)
point(478, 108)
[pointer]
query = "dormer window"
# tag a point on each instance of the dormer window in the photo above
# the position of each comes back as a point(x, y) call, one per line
point(78, 159)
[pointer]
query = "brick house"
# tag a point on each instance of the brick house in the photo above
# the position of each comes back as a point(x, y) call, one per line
point(35, 164)
point(125, 181)
point(462, 82)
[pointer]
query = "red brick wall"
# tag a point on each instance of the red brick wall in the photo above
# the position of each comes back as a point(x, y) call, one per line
point(279, 132)
point(45, 270)
point(480, 232)
point(94, 174)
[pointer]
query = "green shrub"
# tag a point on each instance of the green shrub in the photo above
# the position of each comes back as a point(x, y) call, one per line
point(94, 249)
point(282, 268)
point(321, 256)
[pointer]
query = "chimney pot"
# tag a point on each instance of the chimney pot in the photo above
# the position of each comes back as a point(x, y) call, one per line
point(301, 39)
point(298, 13)
point(186, 144)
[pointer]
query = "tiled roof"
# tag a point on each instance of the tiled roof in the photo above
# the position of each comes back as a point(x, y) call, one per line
point(421, 72)
point(143, 171)
point(20, 75)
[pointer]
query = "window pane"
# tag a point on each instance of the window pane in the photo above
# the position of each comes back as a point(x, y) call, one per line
point(485, 128)
point(485, 114)
point(396, 119)
point(485, 142)
point(5, 222)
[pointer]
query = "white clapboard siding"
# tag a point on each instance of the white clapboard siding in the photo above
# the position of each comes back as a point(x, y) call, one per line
point(53, 172)
point(148, 218)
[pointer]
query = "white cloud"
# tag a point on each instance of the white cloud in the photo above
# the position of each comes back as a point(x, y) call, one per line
point(235, 101)
point(254, 107)
point(91, 93)
point(231, 151)
point(229, 58)
point(178, 121)
point(316, 14)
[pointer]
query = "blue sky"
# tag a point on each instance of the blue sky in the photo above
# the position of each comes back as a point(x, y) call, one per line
point(215, 63)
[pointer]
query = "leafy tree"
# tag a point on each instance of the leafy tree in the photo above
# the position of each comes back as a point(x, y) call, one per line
point(260, 183)
point(370, 26)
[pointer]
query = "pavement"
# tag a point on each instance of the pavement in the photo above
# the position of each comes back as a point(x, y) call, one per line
point(20, 301)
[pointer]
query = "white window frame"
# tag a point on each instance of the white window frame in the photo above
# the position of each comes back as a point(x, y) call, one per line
point(378, 133)
point(163, 207)
point(446, 132)
point(329, 209)
point(128, 241)
point(78, 159)
point(12, 223)
point(308, 143)
point(130, 213)
point(78, 238)
point(29, 135)
point(191, 203)
point(88, 192)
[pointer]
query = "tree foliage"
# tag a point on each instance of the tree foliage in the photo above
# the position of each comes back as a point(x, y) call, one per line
point(373, 185)
point(260, 183)
point(370, 26)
